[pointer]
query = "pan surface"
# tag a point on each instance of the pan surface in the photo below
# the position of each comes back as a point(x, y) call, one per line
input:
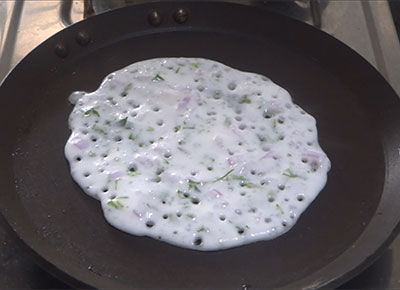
point(358, 118)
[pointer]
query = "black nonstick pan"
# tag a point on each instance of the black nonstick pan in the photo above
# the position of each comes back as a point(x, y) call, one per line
point(358, 116)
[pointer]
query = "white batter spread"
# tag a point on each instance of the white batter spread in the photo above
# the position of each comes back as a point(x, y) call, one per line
point(195, 153)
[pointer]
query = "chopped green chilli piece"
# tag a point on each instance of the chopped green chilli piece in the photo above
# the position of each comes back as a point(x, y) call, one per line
point(123, 121)
point(273, 123)
point(92, 111)
point(289, 173)
point(224, 176)
point(245, 101)
point(158, 78)
point(132, 173)
point(115, 204)
point(279, 208)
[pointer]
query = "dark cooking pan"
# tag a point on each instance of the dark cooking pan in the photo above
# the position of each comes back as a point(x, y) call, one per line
point(350, 223)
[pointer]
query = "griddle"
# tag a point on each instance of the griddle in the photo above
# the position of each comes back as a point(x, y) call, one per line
point(346, 228)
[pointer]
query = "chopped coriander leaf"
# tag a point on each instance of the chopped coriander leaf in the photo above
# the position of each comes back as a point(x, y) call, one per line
point(202, 229)
point(189, 127)
point(279, 208)
point(245, 101)
point(182, 194)
point(195, 188)
point(150, 129)
point(127, 88)
point(131, 137)
point(181, 149)
point(116, 184)
point(115, 204)
point(150, 206)
point(273, 123)
point(224, 176)
point(261, 137)
point(228, 122)
point(92, 154)
point(132, 173)
point(193, 185)
point(123, 197)
point(190, 181)
point(177, 128)
point(189, 215)
point(123, 121)
point(238, 177)
point(240, 230)
point(98, 129)
point(289, 173)
point(92, 111)
point(177, 70)
point(158, 78)
point(195, 65)
point(249, 185)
